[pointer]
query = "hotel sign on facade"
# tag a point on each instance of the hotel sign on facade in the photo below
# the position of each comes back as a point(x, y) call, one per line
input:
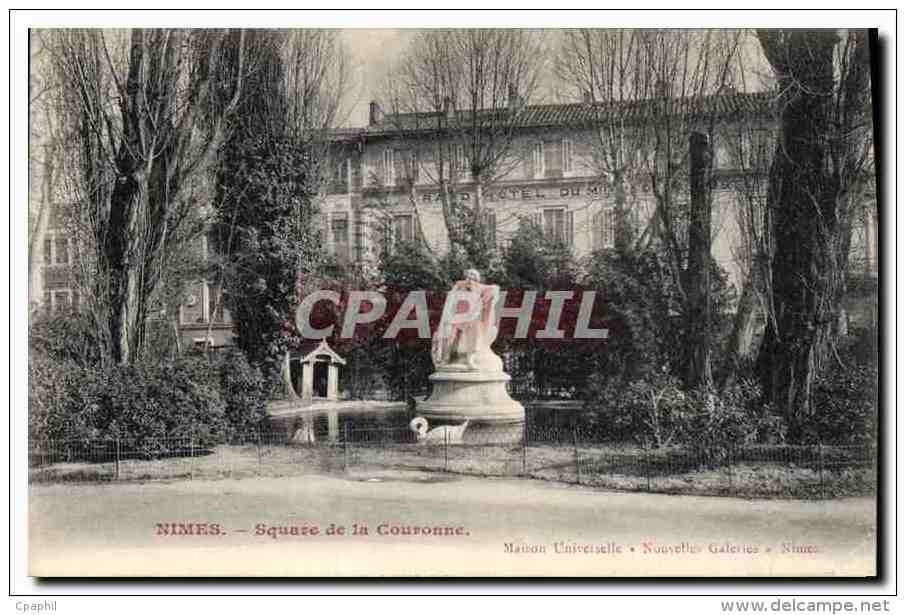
point(524, 193)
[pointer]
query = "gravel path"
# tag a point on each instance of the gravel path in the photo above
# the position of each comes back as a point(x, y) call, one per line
point(487, 527)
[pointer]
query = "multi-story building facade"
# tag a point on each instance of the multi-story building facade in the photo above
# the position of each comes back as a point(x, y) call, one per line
point(384, 184)
point(203, 319)
point(56, 254)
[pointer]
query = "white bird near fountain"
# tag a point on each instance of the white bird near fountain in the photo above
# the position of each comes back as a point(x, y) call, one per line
point(451, 434)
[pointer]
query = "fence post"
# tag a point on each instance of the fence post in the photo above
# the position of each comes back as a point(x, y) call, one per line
point(524, 447)
point(345, 447)
point(116, 463)
point(192, 455)
point(647, 467)
point(729, 470)
point(258, 448)
point(576, 453)
point(821, 467)
point(446, 433)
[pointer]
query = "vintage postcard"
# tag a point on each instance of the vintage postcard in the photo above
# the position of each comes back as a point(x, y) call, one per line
point(490, 302)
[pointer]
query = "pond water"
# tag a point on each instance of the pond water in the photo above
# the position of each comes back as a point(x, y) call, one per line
point(540, 417)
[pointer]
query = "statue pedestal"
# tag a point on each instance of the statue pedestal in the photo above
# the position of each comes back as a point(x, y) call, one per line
point(461, 393)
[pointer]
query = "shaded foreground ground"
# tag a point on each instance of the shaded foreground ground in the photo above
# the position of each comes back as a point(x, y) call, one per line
point(783, 472)
point(112, 529)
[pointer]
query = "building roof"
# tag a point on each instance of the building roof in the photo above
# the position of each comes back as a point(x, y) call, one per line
point(731, 104)
point(308, 351)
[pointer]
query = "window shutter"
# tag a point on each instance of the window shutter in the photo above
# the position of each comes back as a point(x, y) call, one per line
point(569, 228)
point(387, 232)
point(400, 161)
point(387, 168)
point(553, 159)
point(414, 166)
point(596, 231)
point(61, 249)
point(460, 163)
point(538, 160)
point(528, 163)
point(610, 227)
point(490, 228)
point(567, 151)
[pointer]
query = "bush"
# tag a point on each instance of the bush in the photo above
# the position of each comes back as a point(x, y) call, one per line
point(208, 398)
point(244, 390)
point(713, 422)
point(845, 406)
point(134, 403)
point(646, 314)
point(641, 410)
point(656, 411)
point(65, 337)
point(55, 399)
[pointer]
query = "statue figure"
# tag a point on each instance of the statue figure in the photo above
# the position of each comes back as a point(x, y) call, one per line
point(468, 392)
point(468, 326)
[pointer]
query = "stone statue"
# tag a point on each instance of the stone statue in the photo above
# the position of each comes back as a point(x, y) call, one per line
point(468, 388)
point(468, 327)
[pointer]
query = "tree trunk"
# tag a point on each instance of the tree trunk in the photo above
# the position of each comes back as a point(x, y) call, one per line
point(623, 239)
point(122, 264)
point(698, 312)
point(808, 212)
point(749, 320)
point(478, 246)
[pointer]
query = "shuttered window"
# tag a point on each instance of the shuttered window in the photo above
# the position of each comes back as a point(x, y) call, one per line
point(460, 162)
point(403, 228)
point(553, 159)
point(603, 229)
point(557, 225)
point(489, 224)
point(61, 245)
point(538, 160)
point(567, 151)
point(339, 236)
point(387, 170)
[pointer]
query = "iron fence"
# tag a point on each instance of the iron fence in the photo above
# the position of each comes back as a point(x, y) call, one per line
point(555, 454)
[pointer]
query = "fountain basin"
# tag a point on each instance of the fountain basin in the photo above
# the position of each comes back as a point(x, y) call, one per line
point(479, 397)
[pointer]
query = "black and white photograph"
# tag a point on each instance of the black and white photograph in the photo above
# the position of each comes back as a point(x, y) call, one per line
point(453, 302)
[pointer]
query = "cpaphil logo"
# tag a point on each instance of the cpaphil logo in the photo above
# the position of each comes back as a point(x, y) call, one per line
point(554, 315)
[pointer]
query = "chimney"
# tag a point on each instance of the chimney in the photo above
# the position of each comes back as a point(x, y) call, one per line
point(375, 113)
point(449, 110)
